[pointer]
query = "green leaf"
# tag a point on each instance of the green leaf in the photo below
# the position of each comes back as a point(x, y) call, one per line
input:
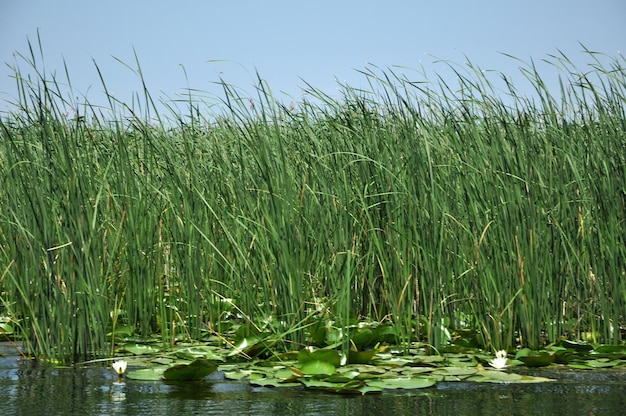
point(351, 387)
point(139, 349)
point(602, 363)
point(286, 374)
point(610, 349)
point(6, 328)
point(490, 376)
point(403, 383)
point(411, 371)
point(200, 351)
point(455, 371)
point(196, 370)
point(343, 377)
point(431, 359)
point(147, 374)
point(318, 367)
point(237, 375)
point(363, 337)
point(330, 356)
point(579, 366)
point(537, 360)
point(576, 346)
point(272, 382)
point(361, 357)
point(122, 331)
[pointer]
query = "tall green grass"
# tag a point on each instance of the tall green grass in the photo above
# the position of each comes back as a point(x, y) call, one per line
point(431, 206)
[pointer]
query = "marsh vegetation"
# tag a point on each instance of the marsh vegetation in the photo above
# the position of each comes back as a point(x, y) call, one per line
point(408, 213)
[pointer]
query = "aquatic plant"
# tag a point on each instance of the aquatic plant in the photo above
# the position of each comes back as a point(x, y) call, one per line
point(500, 361)
point(413, 212)
point(119, 366)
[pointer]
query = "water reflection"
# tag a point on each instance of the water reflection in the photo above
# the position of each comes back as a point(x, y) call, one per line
point(30, 389)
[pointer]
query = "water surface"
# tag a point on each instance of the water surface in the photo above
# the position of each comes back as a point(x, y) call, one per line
point(32, 389)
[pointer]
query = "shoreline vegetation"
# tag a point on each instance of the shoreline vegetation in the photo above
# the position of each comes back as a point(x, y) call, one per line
point(409, 214)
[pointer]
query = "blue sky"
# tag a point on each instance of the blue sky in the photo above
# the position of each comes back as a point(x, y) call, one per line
point(321, 42)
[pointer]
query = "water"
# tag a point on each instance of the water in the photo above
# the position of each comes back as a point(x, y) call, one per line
point(30, 389)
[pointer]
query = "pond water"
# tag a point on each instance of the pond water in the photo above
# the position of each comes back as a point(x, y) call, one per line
point(31, 389)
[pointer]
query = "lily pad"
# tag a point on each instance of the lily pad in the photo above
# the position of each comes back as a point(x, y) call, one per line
point(342, 377)
point(139, 349)
point(537, 360)
point(361, 357)
point(251, 347)
point(200, 351)
point(403, 383)
point(619, 350)
point(273, 382)
point(6, 328)
point(351, 387)
point(602, 363)
point(489, 376)
point(431, 359)
point(147, 374)
point(317, 368)
point(329, 356)
point(237, 375)
point(580, 365)
point(576, 346)
point(122, 331)
point(287, 374)
point(196, 370)
point(411, 371)
point(455, 371)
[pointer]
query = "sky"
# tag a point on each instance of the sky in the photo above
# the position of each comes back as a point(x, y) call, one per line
point(196, 44)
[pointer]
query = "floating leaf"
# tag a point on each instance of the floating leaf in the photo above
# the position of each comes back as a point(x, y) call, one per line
point(122, 331)
point(200, 351)
point(147, 374)
point(272, 382)
point(6, 328)
point(374, 370)
point(343, 377)
point(490, 376)
point(602, 363)
point(431, 359)
point(196, 370)
point(330, 356)
point(403, 383)
point(410, 371)
point(351, 387)
point(463, 361)
point(139, 349)
point(576, 346)
point(579, 366)
point(287, 374)
point(397, 361)
point(563, 356)
point(455, 371)
point(537, 360)
point(317, 367)
point(611, 349)
point(162, 361)
point(237, 375)
point(385, 333)
point(363, 337)
point(360, 357)
point(251, 347)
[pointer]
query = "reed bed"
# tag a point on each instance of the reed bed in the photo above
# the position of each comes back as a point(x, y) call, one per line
point(435, 208)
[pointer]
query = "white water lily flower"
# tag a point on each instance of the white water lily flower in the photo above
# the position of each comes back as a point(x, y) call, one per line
point(500, 361)
point(119, 366)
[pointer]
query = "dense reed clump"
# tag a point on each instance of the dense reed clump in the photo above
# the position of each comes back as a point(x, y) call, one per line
point(431, 207)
